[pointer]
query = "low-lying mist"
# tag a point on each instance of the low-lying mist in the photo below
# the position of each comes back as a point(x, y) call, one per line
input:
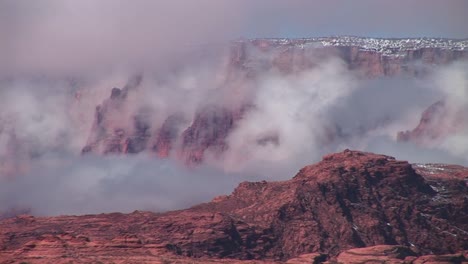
point(68, 184)
point(45, 123)
point(61, 59)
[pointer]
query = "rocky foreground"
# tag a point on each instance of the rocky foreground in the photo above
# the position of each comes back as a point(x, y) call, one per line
point(352, 207)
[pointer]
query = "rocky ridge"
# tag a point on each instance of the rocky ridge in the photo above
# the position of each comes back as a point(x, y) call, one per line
point(348, 200)
point(372, 57)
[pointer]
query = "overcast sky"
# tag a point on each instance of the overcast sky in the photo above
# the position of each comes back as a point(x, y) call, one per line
point(376, 18)
point(253, 18)
point(56, 35)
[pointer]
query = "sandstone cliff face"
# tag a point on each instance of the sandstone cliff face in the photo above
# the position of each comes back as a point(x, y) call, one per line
point(372, 58)
point(428, 126)
point(109, 134)
point(209, 130)
point(167, 136)
point(439, 121)
point(348, 200)
point(189, 137)
point(408, 63)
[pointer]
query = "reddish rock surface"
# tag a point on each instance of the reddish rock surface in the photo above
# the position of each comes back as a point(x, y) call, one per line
point(392, 254)
point(377, 254)
point(110, 133)
point(116, 132)
point(209, 130)
point(437, 122)
point(168, 134)
point(348, 200)
point(428, 126)
point(298, 54)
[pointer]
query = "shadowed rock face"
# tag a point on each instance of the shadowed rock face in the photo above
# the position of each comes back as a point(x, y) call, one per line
point(168, 135)
point(208, 131)
point(348, 200)
point(108, 134)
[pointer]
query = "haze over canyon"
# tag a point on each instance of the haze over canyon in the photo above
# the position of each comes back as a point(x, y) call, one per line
point(251, 109)
point(168, 131)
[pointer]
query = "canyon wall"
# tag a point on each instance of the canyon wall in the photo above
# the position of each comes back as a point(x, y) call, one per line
point(189, 137)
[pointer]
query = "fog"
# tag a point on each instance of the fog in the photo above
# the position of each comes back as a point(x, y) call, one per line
point(328, 109)
point(60, 59)
point(64, 184)
point(44, 127)
point(88, 37)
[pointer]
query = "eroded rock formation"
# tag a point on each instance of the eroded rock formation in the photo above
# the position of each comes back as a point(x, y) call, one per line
point(189, 137)
point(438, 122)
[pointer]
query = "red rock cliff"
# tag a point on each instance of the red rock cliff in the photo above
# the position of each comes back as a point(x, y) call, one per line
point(210, 125)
